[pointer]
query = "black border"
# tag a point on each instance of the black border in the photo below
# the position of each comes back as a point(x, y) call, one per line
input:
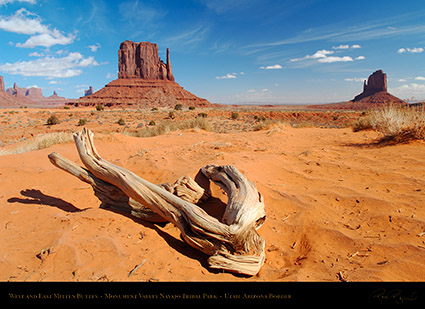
point(339, 293)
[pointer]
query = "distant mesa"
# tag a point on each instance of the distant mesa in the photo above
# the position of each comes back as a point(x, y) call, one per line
point(144, 81)
point(31, 97)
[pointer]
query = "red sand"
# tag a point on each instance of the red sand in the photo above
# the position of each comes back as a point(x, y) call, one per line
point(339, 207)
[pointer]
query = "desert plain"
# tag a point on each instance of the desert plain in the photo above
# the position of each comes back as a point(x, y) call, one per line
point(340, 205)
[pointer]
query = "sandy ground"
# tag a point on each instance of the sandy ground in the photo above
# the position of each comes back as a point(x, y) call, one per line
point(339, 206)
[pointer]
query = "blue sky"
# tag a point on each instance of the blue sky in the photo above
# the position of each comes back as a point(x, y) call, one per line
point(227, 51)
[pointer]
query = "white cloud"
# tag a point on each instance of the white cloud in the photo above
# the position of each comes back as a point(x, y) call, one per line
point(346, 46)
point(355, 79)
point(402, 80)
point(317, 55)
point(50, 67)
point(322, 56)
point(3, 2)
point(409, 91)
point(341, 47)
point(227, 76)
point(272, 67)
point(415, 50)
point(36, 54)
point(21, 23)
point(335, 59)
point(25, 22)
point(420, 78)
point(95, 47)
point(54, 37)
point(251, 91)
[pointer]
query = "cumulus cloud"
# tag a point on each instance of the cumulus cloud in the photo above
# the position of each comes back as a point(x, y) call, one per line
point(51, 38)
point(272, 67)
point(409, 90)
point(25, 22)
point(22, 22)
point(317, 55)
point(420, 78)
point(51, 67)
point(415, 50)
point(95, 47)
point(335, 59)
point(227, 76)
point(322, 56)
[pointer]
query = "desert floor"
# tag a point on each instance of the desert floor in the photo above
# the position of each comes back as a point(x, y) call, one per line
point(340, 206)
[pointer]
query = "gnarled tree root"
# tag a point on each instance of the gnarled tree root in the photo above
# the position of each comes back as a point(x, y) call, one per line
point(232, 243)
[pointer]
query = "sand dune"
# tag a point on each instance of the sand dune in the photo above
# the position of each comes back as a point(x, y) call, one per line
point(339, 208)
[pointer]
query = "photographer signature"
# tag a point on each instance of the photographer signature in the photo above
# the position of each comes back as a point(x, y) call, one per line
point(392, 296)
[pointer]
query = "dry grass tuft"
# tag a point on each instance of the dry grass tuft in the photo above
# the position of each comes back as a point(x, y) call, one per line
point(168, 126)
point(396, 123)
point(41, 141)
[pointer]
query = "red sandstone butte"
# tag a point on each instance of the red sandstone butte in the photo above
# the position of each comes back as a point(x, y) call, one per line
point(375, 91)
point(144, 81)
point(374, 94)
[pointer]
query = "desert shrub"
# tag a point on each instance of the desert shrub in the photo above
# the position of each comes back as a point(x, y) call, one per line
point(362, 124)
point(171, 115)
point(82, 122)
point(121, 122)
point(154, 109)
point(100, 107)
point(399, 122)
point(191, 108)
point(178, 107)
point(202, 115)
point(152, 123)
point(52, 120)
point(66, 107)
point(235, 115)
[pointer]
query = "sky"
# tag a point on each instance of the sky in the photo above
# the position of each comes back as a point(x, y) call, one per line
point(227, 51)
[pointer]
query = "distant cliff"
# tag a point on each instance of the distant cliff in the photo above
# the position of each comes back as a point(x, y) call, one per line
point(31, 97)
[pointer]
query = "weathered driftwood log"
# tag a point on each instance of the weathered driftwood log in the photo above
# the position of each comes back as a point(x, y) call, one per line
point(232, 243)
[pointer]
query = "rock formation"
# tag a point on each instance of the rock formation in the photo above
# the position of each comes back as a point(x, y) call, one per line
point(2, 88)
point(144, 81)
point(31, 97)
point(377, 82)
point(374, 94)
point(88, 91)
point(141, 60)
